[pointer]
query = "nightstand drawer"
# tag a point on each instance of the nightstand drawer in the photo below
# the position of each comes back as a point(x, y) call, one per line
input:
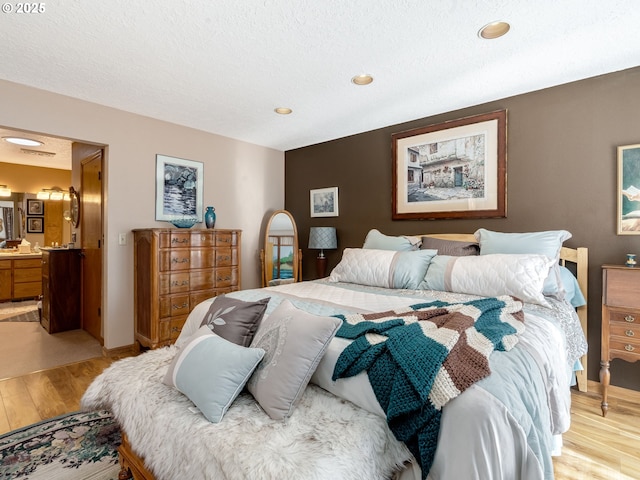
point(627, 331)
point(628, 317)
point(629, 347)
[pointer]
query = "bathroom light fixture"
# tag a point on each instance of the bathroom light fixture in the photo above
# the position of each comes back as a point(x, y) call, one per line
point(283, 110)
point(494, 30)
point(364, 79)
point(5, 191)
point(27, 142)
point(54, 193)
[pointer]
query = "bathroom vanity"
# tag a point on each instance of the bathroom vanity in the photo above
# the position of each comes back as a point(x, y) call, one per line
point(20, 276)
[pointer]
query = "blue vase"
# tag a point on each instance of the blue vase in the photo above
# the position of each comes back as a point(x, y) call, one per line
point(210, 217)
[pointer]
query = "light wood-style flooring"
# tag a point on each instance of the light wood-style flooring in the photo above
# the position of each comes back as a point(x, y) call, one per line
point(595, 448)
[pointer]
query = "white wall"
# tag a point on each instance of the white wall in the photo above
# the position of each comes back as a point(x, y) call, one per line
point(243, 182)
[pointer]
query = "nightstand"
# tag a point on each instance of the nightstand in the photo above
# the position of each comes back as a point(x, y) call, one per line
point(620, 320)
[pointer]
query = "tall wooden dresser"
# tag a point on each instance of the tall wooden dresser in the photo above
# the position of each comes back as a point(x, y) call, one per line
point(61, 290)
point(174, 270)
point(620, 320)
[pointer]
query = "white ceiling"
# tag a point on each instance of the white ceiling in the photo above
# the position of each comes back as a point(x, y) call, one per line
point(223, 66)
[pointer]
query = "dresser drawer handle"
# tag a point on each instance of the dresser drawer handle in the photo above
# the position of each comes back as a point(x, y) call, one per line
point(175, 283)
point(178, 307)
point(630, 318)
point(629, 333)
point(179, 240)
point(629, 348)
point(180, 260)
point(176, 329)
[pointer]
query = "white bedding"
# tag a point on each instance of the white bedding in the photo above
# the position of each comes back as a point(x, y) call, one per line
point(500, 428)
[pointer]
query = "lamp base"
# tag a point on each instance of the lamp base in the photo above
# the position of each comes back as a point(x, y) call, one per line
point(321, 266)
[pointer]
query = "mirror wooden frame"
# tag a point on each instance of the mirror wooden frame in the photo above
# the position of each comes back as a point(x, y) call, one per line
point(266, 258)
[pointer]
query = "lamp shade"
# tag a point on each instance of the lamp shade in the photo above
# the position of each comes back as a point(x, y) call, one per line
point(322, 238)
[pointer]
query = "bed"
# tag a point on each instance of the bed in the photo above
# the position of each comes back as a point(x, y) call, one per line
point(308, 409)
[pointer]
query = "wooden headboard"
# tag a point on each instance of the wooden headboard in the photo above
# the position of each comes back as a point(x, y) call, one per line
point(578, 256)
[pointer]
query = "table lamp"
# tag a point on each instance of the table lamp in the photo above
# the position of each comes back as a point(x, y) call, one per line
point(321, 238)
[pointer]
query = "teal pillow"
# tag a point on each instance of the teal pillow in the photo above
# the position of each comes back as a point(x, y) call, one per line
point(380, 241)
point(212, 371)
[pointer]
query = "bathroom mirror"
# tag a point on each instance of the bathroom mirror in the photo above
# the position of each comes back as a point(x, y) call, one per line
point(280, 255)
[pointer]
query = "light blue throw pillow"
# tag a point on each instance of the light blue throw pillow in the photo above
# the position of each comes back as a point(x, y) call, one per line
point(379, 241)
point(212, 371)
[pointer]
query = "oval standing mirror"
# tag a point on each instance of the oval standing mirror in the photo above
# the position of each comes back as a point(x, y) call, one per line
point(281, 258)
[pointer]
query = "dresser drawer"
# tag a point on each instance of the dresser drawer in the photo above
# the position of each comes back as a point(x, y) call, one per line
point(174, 239)
point(170, 328)
point(175, 259)
point(203, 258)
point(174, 283)
point(5, 264)
point(202, 279)
point(203, 239)
point(226, 277)
point(226, 257)
point(174, 305)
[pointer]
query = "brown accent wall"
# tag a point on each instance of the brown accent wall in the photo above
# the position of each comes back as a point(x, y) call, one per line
point(561, 174)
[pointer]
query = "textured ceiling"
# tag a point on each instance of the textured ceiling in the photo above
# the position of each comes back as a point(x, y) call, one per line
point(223, 66)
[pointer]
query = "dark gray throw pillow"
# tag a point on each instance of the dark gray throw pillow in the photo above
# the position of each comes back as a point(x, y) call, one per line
point(235, 320)
point(454, 248)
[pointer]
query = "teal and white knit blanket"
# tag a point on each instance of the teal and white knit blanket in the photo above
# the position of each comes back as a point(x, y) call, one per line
point(419, 358)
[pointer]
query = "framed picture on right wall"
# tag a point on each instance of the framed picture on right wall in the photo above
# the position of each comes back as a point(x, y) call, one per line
point(629, 190)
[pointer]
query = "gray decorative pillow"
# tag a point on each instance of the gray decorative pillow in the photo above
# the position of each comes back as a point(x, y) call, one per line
point(295, 342)
point(235, 320)
point(454, 248)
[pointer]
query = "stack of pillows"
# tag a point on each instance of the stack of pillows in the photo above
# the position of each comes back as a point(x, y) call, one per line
point(232, 347)
point(525, 265)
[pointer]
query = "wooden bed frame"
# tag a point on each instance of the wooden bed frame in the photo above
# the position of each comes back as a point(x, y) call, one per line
point(132, 466)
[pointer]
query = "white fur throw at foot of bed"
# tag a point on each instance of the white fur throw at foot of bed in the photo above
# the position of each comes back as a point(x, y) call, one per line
point(325, 438)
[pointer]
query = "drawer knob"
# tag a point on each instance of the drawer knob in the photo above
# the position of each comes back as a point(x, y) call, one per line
point(629, 333)
point(630, 318)
point(629, 348)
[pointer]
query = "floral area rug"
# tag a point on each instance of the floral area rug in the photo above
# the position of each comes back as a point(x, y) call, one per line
point(81, 445)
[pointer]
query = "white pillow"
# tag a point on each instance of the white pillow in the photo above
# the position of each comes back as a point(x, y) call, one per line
point(294, 342)
point(212, 371)
point(383, 268)
point(521, 276)
point(547, 243)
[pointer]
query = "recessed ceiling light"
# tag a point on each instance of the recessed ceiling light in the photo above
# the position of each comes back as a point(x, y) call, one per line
point(28, 142)
point(364, 79)
point(283, 110)
point(494, 30)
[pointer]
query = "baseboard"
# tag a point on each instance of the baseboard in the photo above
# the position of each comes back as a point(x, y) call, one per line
point(618, 392)
point(127, 350)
